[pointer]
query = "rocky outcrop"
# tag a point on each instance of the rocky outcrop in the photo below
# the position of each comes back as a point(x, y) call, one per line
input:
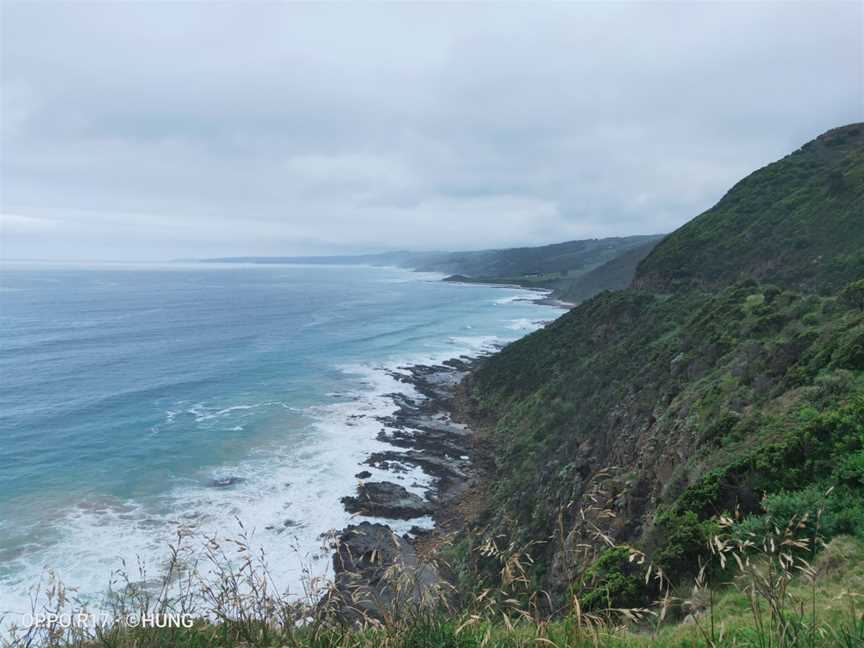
point(387, 500)
point(377, 574)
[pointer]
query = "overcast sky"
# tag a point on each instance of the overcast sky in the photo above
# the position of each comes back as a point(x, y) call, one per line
point(163, 130)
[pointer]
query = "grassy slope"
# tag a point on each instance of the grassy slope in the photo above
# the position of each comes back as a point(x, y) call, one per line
point(656, 411)
point(798, 222)
point(580, 277)
point(831, 619)
point(645, 395)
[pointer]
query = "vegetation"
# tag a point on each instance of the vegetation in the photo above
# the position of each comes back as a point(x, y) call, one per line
point(700, 391)
point(615, 274)
point(573, 271)
point(560, 259)
point(676, 464)
point(796, 222)
point(772, 593)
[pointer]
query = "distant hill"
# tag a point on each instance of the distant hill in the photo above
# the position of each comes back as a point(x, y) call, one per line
point(615, 274)
point(798, 223)
point(565, 268)
point(399, 258)
point(570, 257)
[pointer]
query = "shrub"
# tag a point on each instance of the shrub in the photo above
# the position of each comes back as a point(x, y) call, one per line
point(614, 581)
point(826, 513)
point(682, 540)
point(853, 294)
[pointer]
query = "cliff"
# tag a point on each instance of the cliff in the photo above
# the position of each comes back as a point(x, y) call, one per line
point(728, 379)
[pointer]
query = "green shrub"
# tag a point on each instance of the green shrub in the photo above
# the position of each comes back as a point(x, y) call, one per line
point(682, 539)
point(853, 294)
point(823, 512)
point(614, 581)
point(850, 472)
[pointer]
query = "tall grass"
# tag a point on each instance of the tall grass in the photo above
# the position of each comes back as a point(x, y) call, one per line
point(757, 590)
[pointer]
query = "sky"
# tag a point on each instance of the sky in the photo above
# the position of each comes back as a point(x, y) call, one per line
point(158, 130)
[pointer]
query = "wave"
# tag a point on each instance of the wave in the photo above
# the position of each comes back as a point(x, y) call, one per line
point(522, 324)
point(523, 295)
point(286, 496)
point(286, 490)
point(203, 412)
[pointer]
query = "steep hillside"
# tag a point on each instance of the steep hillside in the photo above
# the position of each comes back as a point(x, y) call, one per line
point(615, 274)
point(642, 414)
point(798, 222)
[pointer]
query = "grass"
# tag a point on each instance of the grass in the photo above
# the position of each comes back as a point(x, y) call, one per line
point(795, 222)
point(760, 590)
point(695, 402)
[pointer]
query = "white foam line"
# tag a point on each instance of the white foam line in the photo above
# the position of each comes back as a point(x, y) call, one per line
point(302, 483)
point(299, 483)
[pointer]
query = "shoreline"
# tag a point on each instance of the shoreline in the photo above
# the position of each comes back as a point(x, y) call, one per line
point(427, 433)
point(279, 494)
point(546, 300)
point(436, 434)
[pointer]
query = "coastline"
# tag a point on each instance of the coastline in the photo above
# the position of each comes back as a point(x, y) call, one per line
point(285, 484)
point(436, 434)
point(551, 301)
point(429, 433)
point(546, 300)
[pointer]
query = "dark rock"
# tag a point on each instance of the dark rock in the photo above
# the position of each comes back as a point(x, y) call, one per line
point(288, 523)
point(377, 573)
point(439, 466)
point(388, 500)
point(363, 474)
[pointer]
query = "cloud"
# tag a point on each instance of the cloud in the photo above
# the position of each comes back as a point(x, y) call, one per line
point(154, 130)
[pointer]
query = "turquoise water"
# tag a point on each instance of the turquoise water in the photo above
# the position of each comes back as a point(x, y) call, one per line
point(125, 391)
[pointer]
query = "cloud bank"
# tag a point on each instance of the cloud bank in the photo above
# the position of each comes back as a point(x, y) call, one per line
point(158, 130)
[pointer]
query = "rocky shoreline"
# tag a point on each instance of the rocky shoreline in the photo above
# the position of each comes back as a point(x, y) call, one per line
point(376, 570)
point(546, 300)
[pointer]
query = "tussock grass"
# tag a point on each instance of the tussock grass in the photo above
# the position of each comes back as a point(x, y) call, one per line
point(782, 588)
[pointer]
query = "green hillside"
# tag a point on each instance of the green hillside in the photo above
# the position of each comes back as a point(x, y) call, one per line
point(573, 257)
point(677, 464)
point(615, 274)
point(729, 380)
point(798, 222)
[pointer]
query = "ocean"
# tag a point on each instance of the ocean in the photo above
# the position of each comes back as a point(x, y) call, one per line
point(137, 401)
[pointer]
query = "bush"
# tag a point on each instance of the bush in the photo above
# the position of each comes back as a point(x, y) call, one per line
point(826, 513)
point(853, 294)
point(614, 581)
point(850, 472)
point(682, 540)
